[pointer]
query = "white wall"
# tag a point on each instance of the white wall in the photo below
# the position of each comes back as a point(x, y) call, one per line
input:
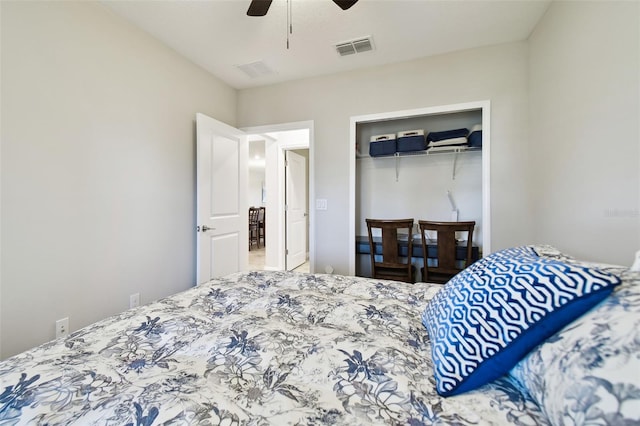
point(98, 166)
point(256, 180)
point(420, 191)
point(256, 171)
point(585, 141)
point(497, 73)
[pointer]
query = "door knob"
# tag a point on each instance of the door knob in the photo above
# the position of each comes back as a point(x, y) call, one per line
point(205, 228)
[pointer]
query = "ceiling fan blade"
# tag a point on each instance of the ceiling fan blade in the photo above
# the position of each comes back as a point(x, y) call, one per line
point(259, 7)
point(345, 4)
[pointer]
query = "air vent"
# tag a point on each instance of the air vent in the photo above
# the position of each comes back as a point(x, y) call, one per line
point(351, 47)
point(345, 49)
point(256, 69)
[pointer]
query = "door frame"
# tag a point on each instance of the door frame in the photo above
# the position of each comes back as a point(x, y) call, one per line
point(275, 253)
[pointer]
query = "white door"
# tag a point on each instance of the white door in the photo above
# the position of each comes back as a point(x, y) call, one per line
point(222, 218)
point(296, 209)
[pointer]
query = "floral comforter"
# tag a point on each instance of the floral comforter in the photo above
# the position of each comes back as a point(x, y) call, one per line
point(254, 348)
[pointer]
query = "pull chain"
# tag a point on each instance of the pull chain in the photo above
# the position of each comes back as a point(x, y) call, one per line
point(289, 20)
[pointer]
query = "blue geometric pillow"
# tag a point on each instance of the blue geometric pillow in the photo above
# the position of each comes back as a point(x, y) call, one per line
point(483, 321)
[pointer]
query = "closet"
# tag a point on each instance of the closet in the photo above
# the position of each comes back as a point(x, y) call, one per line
point(451, 183)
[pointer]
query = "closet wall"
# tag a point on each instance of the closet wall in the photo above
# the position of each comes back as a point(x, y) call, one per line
point(416, 186)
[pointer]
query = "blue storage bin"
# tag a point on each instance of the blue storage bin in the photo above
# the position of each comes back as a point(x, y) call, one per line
point(411, 140)
point(381, 145)
point(475, 137)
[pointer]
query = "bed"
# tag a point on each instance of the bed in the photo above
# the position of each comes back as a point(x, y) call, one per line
point(280, 348)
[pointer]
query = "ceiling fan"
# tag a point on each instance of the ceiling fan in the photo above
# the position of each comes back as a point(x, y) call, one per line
point(261, 7)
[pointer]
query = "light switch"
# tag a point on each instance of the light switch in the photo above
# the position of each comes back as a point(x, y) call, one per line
point(321, 203)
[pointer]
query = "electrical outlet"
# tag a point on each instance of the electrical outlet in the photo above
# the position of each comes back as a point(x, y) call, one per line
point(62, 327)
point(134, 300)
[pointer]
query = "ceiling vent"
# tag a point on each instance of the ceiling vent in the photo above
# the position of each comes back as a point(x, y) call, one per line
point(354, 46)
point(256, 69)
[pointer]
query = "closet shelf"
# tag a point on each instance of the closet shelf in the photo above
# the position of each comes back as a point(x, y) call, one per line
point(432, 151)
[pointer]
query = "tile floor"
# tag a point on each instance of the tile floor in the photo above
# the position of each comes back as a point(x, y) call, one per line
point(256, 261)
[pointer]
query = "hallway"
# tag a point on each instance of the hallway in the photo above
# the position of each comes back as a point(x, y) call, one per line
point(256, 261)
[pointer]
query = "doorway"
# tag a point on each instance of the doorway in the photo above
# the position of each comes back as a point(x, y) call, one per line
point(278, 139)
point(256, 199)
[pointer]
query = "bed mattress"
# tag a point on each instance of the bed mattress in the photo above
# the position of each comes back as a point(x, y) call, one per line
point(254, 348)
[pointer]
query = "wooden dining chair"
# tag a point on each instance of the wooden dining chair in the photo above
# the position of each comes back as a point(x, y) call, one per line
point(262, 234)
point(391, 266)
point(447, 263)
point(254, 228)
